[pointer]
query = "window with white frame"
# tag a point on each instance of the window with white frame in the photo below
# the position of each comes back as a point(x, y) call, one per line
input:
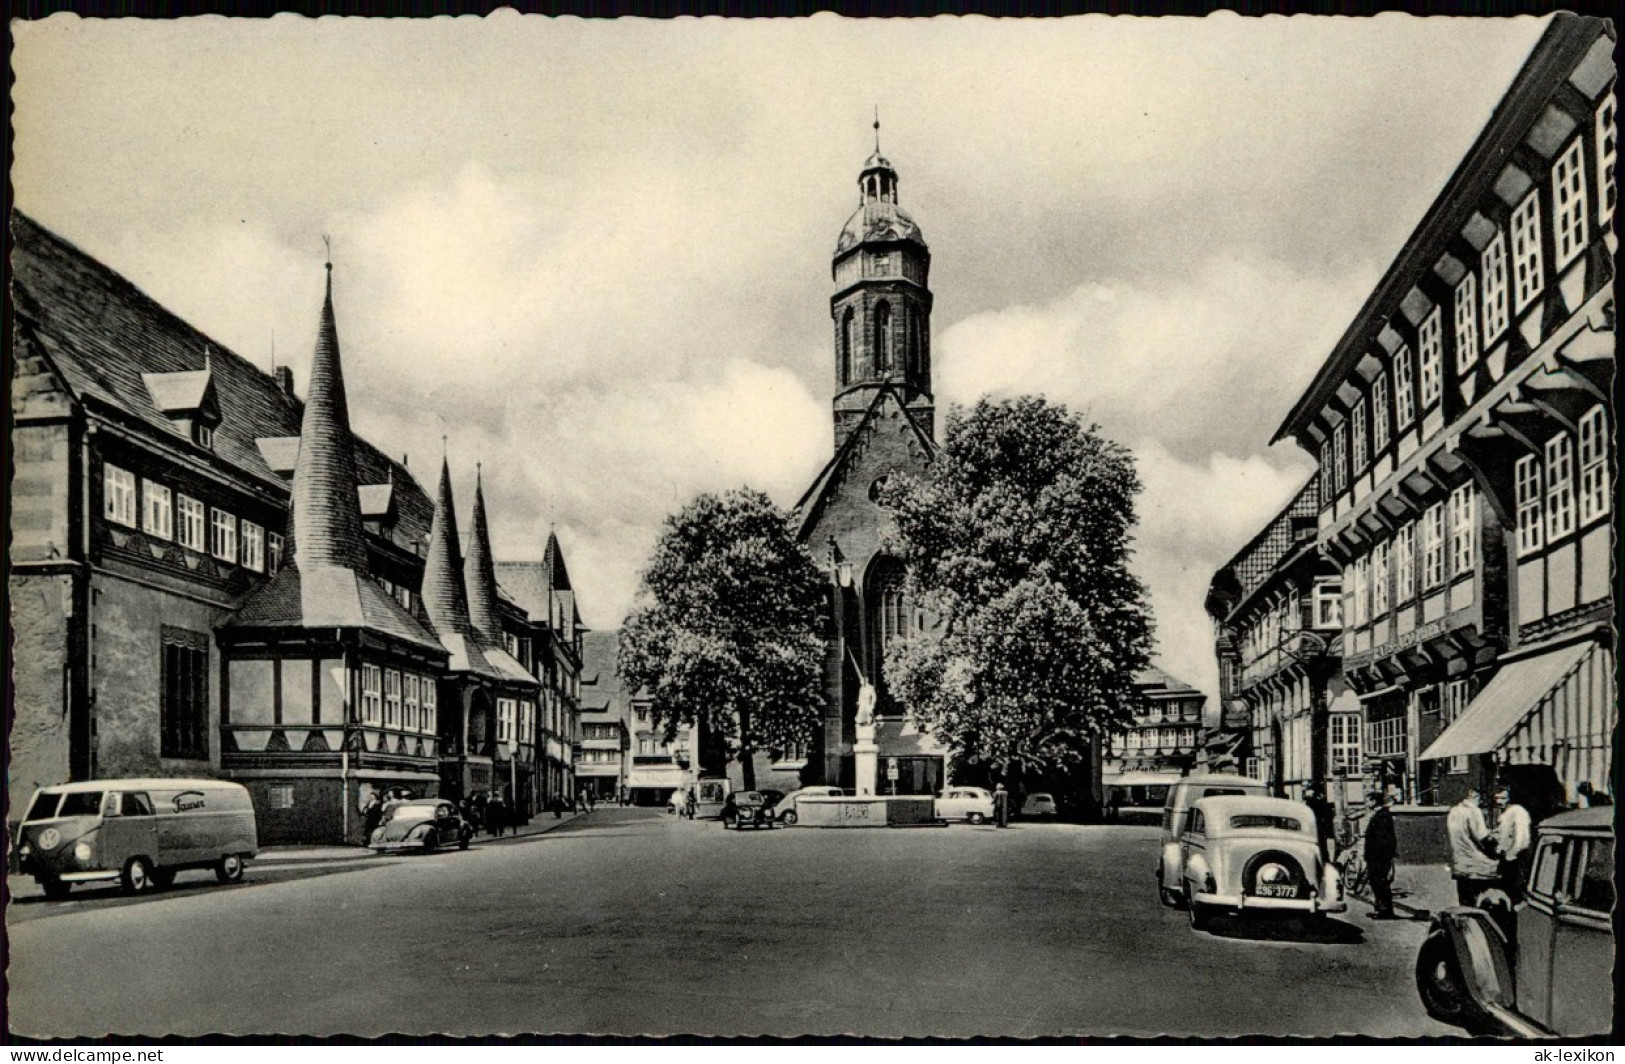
point(1362, 590)
point(1340, 455)
point(1527, 274)
point(1452, 705)
point(411, 684)
point(1593, 464)
point(1343, 730)
point(1569, 203)
point(1252, 768)
point(1379, 579)
point(1559, 487)
point(1607, 152)
point(1404, 385)
point(1527, 487)
point(1328, 604)
point(189, 522)
point(223, 535)
point(392, 698)
point(253, 546)
point(1357, 437)
point(1433, 546)
point(1494, 269)
point(273, 552)
point(372, 685)
point(1379, 413)
point(428, 716)
point(505, 714)
point(1328, 469)
point(1405, 563)
point(1430, 345)
point(1466, 323)
point(1463, 511)
point(118, 495)
point(158, 510)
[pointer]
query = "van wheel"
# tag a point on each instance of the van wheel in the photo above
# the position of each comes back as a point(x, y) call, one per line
point(229, 869)
point(789, 818)
point(54, 888)
point(137, 877)
point(976, 818)
point(163, 878)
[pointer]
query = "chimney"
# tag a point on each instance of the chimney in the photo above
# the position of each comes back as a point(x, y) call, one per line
point(284, 379)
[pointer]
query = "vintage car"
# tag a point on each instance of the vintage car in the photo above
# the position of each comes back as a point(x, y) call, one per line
point(785, 810)
point(1251, 854)
point(1037, 805)
point(1552, 975)
point(748, 809)
point(421, 824)
point(965, 803)
point(1181, 796)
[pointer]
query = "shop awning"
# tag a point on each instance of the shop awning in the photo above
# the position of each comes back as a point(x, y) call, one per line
point(1143, 779)
point(1347, 702)
point(1509, 696)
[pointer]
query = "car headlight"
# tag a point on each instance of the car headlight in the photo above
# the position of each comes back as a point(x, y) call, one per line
point(81, 852)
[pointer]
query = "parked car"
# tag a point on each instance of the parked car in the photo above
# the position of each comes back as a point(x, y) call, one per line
point(1040, 804)
point(1248, 853)
point(421, 824)
point(710, 796)
point(140, 832)
point(1181, 796)
point(748, 809)
point(965, 803)
point(785, 810)
point(1552, 975)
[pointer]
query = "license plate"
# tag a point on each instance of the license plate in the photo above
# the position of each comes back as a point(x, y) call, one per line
point(1273, 890)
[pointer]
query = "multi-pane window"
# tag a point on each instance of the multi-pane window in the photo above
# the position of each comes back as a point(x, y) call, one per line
point(1404, 396)
point(1466, 323)
point(158, 513)
point(1433, 546)
point(1328, 604)
point(1379, 579)
point(505, 715)
point(1452, 705)
point(1405, 563)
point(1379, 413)
point(1526, 483)
point(223, 535)
point(392, 698)
point(1430, 344)
point(1340, 456)
point(1607, 152)
point(1357, 437)
point(1496, 314)
point(1559, 487)
point(428, 719)
point(411, 684)
point(1362, 590)
point(183, 678)
point(118, 495)
point(253, 546)
point(1569, 203)
point(1526, 265)
point(372, 685)
point(1344, 733)
point(189, 522)
point(274, 551)
point(1593, 464)
point(1328, 467)
point(1462, 503)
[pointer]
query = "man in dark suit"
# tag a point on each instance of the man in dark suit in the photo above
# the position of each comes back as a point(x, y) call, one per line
point(1381, 846)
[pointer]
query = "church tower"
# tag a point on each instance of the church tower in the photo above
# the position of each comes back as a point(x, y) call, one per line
point(882, 303)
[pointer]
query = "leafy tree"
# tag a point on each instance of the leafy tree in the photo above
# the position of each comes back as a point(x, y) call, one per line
point(726, 634)
point(1018, 536)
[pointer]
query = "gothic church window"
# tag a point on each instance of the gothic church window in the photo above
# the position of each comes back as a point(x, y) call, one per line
point(883, 347)
point(846, 347)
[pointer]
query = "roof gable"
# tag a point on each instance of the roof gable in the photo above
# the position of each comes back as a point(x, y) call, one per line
point(850, 457)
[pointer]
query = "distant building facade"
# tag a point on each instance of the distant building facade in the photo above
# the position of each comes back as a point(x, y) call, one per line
point(1166, 739)
point(652, 769)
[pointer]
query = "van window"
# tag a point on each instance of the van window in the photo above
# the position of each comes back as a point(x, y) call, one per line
point(1543, 880)
point(1596, 887)
point(136, 804)
point(1209, 792)
point(1195, 825)
point(81, 803)
point(44, 807)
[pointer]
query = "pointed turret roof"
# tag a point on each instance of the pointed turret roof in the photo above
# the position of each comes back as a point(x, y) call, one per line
point(445, 598)
point(326, 511)
point(479, 572)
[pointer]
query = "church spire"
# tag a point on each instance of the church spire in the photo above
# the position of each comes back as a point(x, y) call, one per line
point(326, 510)
point(444, 597)
point(479, 572)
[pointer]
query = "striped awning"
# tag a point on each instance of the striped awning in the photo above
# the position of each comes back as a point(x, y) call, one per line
point(1509, 697)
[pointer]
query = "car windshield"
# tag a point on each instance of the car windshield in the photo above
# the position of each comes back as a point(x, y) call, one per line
point(82, 803)
point(1262, 820)
point(44, 807)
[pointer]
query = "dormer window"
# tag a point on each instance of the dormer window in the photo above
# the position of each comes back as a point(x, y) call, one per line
point(204, 435)
point(187, 399)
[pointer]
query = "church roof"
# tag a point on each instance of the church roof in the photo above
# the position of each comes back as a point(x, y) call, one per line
point(810, 506)
point(877, 221)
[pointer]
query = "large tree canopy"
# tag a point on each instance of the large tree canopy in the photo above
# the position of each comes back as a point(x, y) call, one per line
point(725, 636)
point(1018, 537)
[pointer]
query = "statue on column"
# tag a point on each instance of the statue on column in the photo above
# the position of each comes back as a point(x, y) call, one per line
point(866, 704)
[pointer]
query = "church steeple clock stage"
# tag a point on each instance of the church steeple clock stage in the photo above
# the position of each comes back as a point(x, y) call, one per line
point(882, 302)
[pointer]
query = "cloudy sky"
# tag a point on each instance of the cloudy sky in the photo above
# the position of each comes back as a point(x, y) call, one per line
point(596, 254)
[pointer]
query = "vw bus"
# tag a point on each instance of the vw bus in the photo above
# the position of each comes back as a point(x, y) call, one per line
point(140, 832)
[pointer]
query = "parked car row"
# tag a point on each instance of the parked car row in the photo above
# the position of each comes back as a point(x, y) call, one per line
point(710, 798)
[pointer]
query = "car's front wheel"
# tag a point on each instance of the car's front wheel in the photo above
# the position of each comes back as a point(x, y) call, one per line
point(789, 818)
point(462, 840)
point(976, 818)
point(1201, 916)
point(1439, 982)
point(137, 877)
point(54, 888)
point(431, 842)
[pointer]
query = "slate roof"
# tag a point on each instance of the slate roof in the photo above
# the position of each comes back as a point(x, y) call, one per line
point(601, 689)
point(103, 335)
point(328, 596)
point(1154, 681)
point(479, 573)
point(181, 392)
point(807, 509)
point(542, 588)
point(445, 599)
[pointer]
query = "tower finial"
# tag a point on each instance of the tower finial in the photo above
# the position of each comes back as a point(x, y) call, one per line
point(877, 129)
point(327, 241)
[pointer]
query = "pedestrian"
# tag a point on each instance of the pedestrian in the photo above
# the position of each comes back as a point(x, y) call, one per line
point(1325, 818)
point(371, 814)
point(1381, 846)
point(558, 807)
point(589, 801)
point(1001, 806)
point(1513, 833)
point(1471, 865)
point(496, 814)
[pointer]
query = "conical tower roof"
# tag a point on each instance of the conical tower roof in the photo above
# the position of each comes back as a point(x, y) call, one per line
point(444, 596)
point(326, 511)
point(479, 573)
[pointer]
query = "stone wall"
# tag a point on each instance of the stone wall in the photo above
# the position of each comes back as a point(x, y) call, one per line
point(39, 731)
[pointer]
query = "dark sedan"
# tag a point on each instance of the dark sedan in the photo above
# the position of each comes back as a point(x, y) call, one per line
point(424, 824)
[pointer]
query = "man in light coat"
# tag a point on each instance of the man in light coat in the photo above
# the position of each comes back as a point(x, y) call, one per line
point(1513, 833)
point(1471, 866)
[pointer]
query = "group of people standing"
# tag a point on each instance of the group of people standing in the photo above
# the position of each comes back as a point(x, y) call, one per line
point(1482, 857)
point(488, 813)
